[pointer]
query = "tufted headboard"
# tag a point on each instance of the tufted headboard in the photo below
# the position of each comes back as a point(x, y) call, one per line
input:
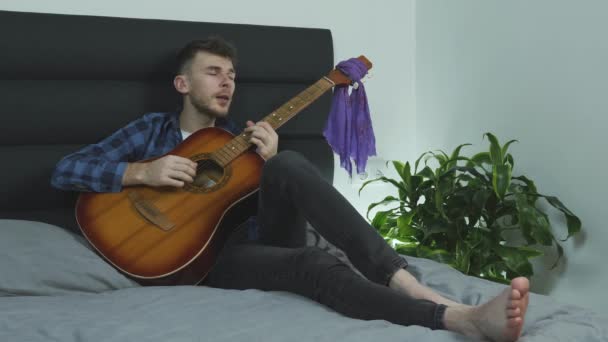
point(70, 80)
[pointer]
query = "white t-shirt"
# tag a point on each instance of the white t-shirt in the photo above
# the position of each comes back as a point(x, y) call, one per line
point(185, 134)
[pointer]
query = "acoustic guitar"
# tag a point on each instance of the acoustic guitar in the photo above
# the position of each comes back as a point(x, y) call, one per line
point(172, 236)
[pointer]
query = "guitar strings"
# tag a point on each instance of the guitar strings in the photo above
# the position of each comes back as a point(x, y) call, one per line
point(210, 161)
point(307, 97)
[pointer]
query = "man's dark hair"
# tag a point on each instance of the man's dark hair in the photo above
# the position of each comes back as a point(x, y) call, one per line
point(213, 44)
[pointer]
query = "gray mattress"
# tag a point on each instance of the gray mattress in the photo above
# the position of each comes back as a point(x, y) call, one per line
point(54, 288)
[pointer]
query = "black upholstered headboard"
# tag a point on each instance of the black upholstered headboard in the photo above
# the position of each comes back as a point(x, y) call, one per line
point(67, 81)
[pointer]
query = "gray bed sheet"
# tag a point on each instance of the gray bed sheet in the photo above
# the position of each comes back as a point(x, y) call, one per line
point(119, 310)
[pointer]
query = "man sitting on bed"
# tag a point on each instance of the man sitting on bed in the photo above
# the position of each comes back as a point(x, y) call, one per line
point(290, 193)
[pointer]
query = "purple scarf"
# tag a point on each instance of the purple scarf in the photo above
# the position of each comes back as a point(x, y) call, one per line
point(349, 129)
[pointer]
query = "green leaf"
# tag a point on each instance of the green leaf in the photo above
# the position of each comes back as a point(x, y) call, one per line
point(529, 252)
point(407, 249)
point(574, 223)
point(495, 150)
point(470, 170)
point(388, 228)
point(393, 232)
point(501, 178)
point(398, 166)
point(535, 225)
point(440, 255)
point(415, 182)
point(405, 219)
point(380, 218)
point(574, 226)
point(506, 147)
point(480, 198)
point(386, 200)
point(444, 155)
point(479, 159)
point(445, 184)
point(441, 158)
point(515, 260)
point(509, 160)
point(407, 170)
point(478, 204)
point(560, 253)
point(384, 180)
point(529, 187)
point(542, 229)
point(404, 223)
point(434, 227)
point(404, 172)
point(454, 161)
point(439, 204)
point(418, 161)
point(366, 183)
point(427, 172)
point(455, 155)
point(406, 175)
point(463, 257)
point(402, 195)
point(494, 271)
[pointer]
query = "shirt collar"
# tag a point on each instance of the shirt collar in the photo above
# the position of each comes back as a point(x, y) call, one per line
point(173, 122)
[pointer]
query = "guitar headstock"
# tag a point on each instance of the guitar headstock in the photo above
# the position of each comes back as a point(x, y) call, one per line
point(339, 78)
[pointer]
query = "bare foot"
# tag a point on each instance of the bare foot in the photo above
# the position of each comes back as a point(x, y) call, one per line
point(500, 319)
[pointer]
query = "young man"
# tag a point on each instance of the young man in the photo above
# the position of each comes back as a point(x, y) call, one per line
point(288, 198)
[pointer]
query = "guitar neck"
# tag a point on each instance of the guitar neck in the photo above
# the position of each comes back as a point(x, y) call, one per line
point(276, 119)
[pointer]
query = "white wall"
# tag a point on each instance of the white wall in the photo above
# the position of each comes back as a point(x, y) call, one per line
point(358, 27)
point(533, 71)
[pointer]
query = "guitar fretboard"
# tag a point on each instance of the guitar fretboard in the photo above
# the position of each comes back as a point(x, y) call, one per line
point(276, 119)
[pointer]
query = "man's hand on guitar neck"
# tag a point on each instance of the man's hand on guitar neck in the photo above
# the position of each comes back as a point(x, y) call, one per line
point(166, 171)
point(264, 137)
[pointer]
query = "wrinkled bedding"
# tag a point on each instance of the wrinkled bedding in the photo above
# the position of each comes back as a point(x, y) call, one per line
point(105, 306)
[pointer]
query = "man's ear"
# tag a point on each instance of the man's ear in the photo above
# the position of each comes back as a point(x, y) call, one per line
point(180, 82)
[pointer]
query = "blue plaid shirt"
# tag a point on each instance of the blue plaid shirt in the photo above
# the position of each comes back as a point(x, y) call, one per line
point(100, 167)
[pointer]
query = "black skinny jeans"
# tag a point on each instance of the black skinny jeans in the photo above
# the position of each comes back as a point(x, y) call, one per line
point(292, 192)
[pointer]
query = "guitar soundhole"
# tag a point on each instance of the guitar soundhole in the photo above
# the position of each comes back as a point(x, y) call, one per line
point(210, 175)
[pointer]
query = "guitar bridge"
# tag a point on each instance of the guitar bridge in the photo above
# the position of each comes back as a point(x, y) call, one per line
point(150, 212)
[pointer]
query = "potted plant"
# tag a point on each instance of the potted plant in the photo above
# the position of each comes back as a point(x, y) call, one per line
point(461, 212)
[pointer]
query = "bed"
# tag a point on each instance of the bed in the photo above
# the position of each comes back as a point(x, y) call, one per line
point(67, 81)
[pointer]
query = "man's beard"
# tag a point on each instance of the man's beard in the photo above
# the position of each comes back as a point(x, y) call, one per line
point(204, 108)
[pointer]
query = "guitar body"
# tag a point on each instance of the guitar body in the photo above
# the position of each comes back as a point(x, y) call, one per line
point(172, 236)
point(163, 236)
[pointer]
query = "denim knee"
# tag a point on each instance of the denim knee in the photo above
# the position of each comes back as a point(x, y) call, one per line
point(317, 262)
